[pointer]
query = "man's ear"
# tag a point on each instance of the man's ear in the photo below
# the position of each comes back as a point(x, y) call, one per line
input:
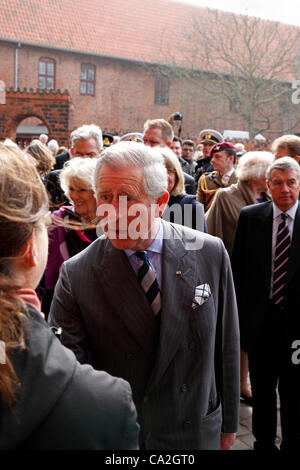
point(72, 151)
point(169, 143)
point(161, 204)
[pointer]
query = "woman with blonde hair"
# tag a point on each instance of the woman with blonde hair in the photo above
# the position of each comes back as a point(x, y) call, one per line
point(182, 208)
point(47, 399)
point(44, 159)
point(73, 227)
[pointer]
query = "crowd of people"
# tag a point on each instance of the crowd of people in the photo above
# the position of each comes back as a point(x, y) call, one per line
point(148, 284)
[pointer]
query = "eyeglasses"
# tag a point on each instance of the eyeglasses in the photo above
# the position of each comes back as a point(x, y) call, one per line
point(170, 171)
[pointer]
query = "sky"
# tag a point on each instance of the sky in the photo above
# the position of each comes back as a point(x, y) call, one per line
point(285, 11)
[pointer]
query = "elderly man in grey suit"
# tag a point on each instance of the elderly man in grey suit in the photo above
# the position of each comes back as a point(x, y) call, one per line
point(154, 303)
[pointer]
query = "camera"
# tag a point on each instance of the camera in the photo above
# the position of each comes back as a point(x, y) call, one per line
point(177, 116)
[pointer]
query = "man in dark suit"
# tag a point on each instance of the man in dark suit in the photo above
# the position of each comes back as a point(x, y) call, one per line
point(61, 159)
point(153, 303)
point(266, 268)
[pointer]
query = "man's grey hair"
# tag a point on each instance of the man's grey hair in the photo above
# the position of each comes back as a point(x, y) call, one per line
point(86, 132)
point(53, 145)
point(43, 138)
point(78, 171)
point(253, 165)
point(284, 164)
point(135, 154)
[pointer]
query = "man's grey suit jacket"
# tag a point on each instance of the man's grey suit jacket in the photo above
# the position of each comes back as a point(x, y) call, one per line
point(184, 373)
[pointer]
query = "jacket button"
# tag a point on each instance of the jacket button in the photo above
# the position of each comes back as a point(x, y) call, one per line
point(145, 399)
point(184, 387)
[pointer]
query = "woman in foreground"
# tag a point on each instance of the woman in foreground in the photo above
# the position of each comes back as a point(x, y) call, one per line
point(47, 399)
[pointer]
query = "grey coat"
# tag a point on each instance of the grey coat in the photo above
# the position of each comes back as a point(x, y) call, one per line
point(184, 373)
point(61, 404)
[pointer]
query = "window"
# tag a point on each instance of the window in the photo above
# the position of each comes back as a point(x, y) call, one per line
point(161, 90)
point(87, 79)
point(46, 74)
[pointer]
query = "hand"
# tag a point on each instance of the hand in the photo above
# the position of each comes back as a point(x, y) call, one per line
point(171, 119)
point(227, 440)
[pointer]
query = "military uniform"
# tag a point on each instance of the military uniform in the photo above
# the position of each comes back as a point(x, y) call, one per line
point(209, 184)
point(212, 137)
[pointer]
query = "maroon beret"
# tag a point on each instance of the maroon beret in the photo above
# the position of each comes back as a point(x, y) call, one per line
point(222, 146)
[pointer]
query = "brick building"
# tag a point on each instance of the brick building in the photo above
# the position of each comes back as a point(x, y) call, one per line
point(103, 62)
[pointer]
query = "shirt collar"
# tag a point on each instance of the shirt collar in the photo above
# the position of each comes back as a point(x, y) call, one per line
point(156, 245)
point(291, 212)
point(229, 173)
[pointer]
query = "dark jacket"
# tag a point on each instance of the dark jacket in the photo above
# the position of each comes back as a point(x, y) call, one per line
point(204, 165)
point(56, 195)
point(252, 270)
point(61, 159)
point(62, 404)
point(189, 184)
point(192, 217)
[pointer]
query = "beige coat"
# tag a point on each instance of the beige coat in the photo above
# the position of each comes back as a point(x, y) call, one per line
point(222, 217)
point(209, 184)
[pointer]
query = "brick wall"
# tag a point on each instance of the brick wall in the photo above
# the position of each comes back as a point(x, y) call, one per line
point(124, 94)
point(51, 108)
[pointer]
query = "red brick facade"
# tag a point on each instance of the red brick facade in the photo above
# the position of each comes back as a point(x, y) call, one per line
point(124, 91)
point(124, 96)
point(121, 40)
point(52, 108)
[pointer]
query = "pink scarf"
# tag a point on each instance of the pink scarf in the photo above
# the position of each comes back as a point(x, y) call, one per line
point(30, 297)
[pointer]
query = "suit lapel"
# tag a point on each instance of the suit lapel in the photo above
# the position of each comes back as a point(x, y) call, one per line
point(178, 270)
point(265, 238)
point(125, 298)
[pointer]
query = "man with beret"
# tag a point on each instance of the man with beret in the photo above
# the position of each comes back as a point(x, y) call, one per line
point(223, 159)
point(208, 138)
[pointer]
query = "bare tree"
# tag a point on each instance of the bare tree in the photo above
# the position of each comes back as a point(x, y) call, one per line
point(243, 66)
point(247, 62)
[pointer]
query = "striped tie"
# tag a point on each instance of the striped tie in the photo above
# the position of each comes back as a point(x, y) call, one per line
point(283, 244)
point(147, 278)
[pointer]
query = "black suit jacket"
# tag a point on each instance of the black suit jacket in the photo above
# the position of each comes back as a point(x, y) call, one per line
point(189, 184)
point(252, 270)
point(61, 159)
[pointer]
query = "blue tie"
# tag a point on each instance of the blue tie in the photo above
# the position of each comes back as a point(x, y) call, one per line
point(282, 248)
point(148, 281)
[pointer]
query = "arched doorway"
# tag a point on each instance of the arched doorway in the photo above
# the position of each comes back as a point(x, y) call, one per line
point(28, 129)
point(49, 107)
